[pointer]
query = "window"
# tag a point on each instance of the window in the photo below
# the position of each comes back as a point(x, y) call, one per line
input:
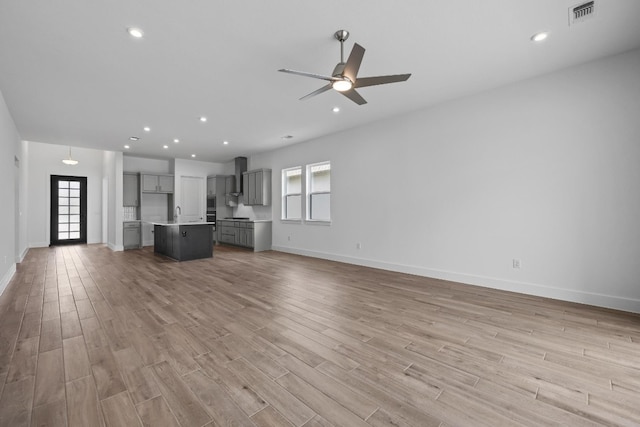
point(292, 193)
point(319, 192)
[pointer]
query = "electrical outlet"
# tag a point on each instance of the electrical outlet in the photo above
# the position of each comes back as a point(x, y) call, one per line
point(516, 263)
point(358, 245)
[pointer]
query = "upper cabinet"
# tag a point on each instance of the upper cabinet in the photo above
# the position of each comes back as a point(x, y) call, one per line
point(256, 187)
point(131, 189)
point(157, 183)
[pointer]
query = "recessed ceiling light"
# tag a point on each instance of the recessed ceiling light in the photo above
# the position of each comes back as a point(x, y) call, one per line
point(225, 142)
point(146, 129)
point(336, 109)
point(193, 155)
point(135, 32)
point(127, 147)
point(134, 138)
point(176, 141)
point(538, 37)
point(165, 146)
point(203, 119)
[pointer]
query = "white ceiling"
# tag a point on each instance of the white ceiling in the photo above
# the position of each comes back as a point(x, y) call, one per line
point(71, 74)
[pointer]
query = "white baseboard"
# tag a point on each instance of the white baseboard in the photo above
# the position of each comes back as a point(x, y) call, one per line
point(39, 245)
point(7, 278)
point(591, 298)
point(20, 257)
point(115, 248)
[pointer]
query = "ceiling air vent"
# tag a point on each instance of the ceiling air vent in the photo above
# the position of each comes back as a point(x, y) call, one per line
point(582, 12)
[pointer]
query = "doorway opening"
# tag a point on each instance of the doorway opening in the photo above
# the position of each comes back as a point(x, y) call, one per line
point(68, 210)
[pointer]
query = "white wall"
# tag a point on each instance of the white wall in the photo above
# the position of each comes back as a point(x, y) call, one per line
point(112, 174)
point(46, 160)
point(9, 176)
point(22, 224)
point(546, 171)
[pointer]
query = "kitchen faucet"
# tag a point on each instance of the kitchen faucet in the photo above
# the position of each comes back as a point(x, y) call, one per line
point(177, 213)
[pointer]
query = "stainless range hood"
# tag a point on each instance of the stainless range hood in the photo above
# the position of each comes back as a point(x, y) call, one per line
point(241, 166)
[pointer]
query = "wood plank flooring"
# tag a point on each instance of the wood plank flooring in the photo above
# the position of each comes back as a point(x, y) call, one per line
point(91, 337)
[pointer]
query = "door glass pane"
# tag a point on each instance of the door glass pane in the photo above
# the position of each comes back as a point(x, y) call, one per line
point(63, 201)
point(63, 219)
point(63, 192)
point(74, 209)
point(63, 210)
point(63, 227)
point(74, 218)
point(74, 227)
point(74, 193)
point(63, 184)
point(74, 184)
point(74, 235)
point(74, 201)
point(63, 236)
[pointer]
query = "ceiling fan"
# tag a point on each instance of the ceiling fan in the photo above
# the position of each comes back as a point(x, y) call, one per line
point(344, 78)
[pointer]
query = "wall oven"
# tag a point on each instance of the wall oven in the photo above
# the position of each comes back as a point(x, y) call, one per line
point(211, 217)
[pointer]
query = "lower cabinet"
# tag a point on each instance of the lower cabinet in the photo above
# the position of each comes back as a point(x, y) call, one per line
point(248, 234)
point(184, 242)
point(131, 235)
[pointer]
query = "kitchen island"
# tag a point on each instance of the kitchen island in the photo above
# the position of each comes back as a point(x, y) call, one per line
point(183, 241)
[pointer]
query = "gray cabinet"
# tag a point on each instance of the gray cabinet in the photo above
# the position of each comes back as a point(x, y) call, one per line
point(256, 187)
point(184, 242)
point(249, 234)
point(130, 189)
point(157, 183)
point(131, 235)
point(245, 234)
point(226, 232)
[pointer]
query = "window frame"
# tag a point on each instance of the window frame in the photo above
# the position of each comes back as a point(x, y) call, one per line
point(309, 194)
point(286, 194)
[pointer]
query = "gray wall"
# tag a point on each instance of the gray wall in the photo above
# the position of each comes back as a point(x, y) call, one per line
point(546, 171)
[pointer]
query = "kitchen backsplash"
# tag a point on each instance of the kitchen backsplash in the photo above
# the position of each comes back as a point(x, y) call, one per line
point(129, 213)
point(253, 212)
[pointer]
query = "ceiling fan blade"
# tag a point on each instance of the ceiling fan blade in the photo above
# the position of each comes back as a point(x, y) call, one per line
point(354, 96)
point(312, 75)
point(353, 62)
point(316, 92)
point(380, 80)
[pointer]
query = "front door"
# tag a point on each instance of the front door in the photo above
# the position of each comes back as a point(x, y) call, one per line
point(68, 210)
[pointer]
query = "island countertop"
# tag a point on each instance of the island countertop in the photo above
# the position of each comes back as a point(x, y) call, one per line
point(174, 223)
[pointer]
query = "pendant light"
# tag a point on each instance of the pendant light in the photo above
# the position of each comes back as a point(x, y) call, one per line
point(70, 161)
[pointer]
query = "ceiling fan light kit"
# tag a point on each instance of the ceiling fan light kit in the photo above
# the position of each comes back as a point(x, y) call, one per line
point(344, 78)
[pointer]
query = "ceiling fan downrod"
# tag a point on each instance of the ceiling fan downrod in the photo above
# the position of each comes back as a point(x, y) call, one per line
point(341, 36)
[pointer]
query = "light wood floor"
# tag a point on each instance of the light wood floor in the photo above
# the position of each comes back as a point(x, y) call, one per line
point(90, 337)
